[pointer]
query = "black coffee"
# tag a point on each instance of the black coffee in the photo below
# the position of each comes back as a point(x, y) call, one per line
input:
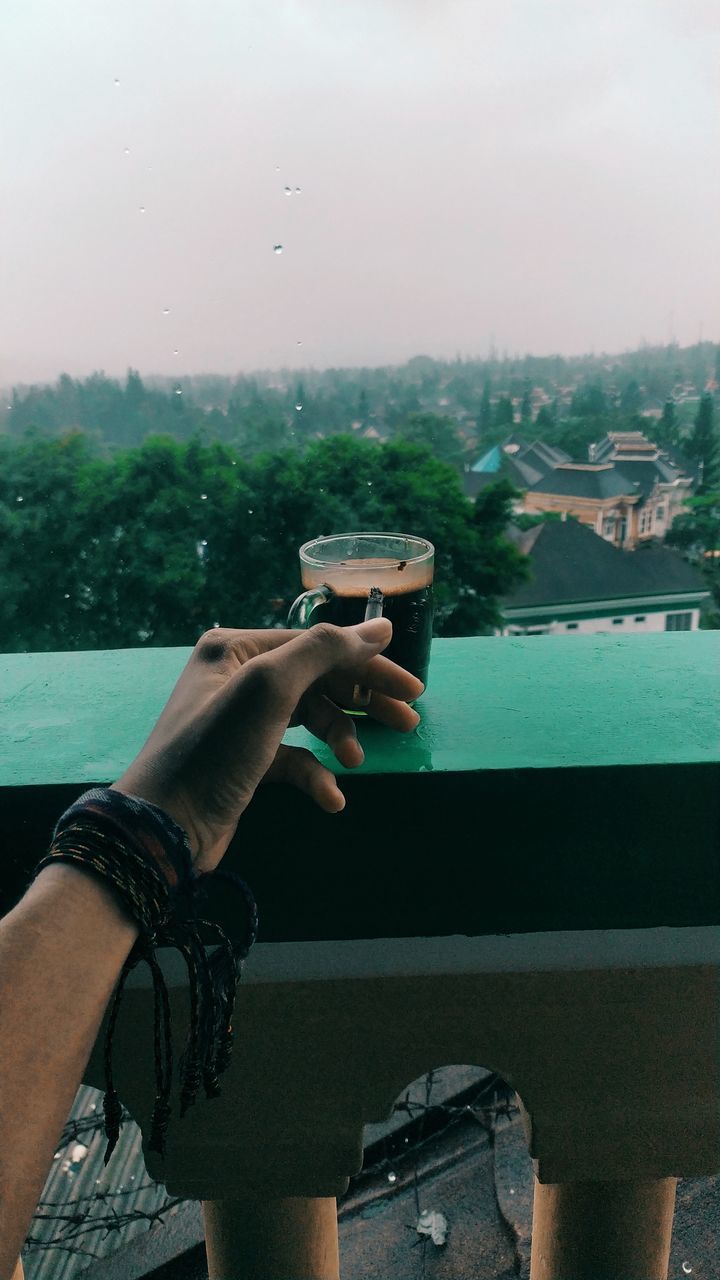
point(411, 614)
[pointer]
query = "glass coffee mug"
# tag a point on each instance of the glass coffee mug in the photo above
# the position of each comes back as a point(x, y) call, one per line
point(339, 572)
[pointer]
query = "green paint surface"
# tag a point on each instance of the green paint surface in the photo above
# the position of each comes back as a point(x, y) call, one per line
point(492, 703)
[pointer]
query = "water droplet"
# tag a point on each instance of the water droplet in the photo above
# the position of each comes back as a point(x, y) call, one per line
point(277, 248)
point(175, 351)
point(277, 168)
point(116, 82)
point(19, 499)
point(299, 342)
point(233, 463)
point(369, 484)
point(512, 1191)
point(216, 624)
point(93, 1106)
point(67, 595)
point(57, 1155)
point(178, 391)
point(288, 191)
point(203, 542)
point(142, 208)
point(392, 1176)
point(166, 311)
point(687, 1268)
point(126, 151)
point(298, 406)
point(297, 191)
point(203, 496)
point(250, 511)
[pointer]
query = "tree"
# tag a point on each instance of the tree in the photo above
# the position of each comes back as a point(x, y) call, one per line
point(703, 443)
point(668, 427)
point(526, 405)
point(434, 432)
point(697, 534)
point(485, 418)
point(504, 414)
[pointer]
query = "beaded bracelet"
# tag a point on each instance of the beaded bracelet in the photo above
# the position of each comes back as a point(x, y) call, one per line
point(144, 856)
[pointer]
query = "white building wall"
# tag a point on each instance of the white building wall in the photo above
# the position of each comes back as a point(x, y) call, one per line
point(631, 623)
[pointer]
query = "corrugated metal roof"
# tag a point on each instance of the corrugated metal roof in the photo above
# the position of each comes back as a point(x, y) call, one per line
point(119, 1199)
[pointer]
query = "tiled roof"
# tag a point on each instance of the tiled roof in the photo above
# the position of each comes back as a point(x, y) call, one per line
point(585, 480)
point(569, 563)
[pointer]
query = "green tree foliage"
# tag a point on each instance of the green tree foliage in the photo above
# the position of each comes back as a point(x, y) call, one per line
point(667, 431)
point(703, 443)
point(154, 544)
point(697, 535)
point(504, 415)
point(485, 418)
point(433, 432)
point(526, 416)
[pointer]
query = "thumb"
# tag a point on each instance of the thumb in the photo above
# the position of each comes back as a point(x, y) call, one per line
point(324, 647)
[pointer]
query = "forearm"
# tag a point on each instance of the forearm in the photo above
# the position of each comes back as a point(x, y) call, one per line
point(61, 951)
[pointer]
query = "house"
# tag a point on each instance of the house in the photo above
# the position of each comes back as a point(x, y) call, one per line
point(580, 584)
point(515, 460)
point(629, 492)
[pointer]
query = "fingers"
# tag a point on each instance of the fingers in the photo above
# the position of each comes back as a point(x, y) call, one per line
point(312, 654)
point(390, 712)
point(323, 718)
point(303, 770)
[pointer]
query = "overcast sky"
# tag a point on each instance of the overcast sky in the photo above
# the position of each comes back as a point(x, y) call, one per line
point(543, 175)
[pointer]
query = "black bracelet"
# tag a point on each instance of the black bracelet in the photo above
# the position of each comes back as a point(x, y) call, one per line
point(144, 856)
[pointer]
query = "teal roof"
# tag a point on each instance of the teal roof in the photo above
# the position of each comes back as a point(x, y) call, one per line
point(490, 461)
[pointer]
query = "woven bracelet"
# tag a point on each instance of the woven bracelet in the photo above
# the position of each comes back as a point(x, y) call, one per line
point(144, 856)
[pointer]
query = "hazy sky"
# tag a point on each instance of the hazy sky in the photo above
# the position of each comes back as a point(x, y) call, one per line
point(541, 174)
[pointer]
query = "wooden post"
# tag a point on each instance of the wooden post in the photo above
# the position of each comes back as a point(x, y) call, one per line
point(602, 1230)
point(250, 1238)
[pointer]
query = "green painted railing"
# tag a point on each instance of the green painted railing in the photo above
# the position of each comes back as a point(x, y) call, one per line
point(552, 783)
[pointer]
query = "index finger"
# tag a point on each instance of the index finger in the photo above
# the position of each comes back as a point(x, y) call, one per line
point(381, 675)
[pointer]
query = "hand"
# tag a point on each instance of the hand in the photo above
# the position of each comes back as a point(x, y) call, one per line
point(220, 734)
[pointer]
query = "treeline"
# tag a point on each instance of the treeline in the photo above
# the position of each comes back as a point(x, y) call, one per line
point(154, 544)
point(570, 402)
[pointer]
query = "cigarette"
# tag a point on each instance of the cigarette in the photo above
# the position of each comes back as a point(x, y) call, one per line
point(373, 609)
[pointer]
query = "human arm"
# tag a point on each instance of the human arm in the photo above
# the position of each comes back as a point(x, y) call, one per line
point(62, 948)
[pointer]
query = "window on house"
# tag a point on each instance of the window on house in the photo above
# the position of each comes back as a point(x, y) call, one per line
point(640, 617)
point(678, 621)
point(571, 626)
point(617, 622)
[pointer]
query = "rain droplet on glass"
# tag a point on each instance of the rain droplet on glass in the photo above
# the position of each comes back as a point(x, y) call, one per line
point(126, 151)
point(392, 1177)
point(277, 248)
point(299, 342)
point(178, 391)
point(250, 511)
point(175, 351)
point(67, 595)
point(142, 208)
point(116, 82)
point(203, 496)
point(288, 191)
point(166, 311)
point(687, 1268)
point(298, 406)
point(297, 191)
point(19, 499)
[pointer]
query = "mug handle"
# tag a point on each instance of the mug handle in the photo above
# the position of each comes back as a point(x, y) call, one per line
point(301, 610)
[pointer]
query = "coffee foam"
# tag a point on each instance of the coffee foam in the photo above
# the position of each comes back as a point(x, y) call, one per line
point(356, 577)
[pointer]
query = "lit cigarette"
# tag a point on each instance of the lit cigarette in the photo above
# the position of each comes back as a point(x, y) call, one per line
point(373, 609)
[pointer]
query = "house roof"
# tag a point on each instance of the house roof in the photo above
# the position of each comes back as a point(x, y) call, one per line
point(643, 476)
point(585, 480)
point(569, 563)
